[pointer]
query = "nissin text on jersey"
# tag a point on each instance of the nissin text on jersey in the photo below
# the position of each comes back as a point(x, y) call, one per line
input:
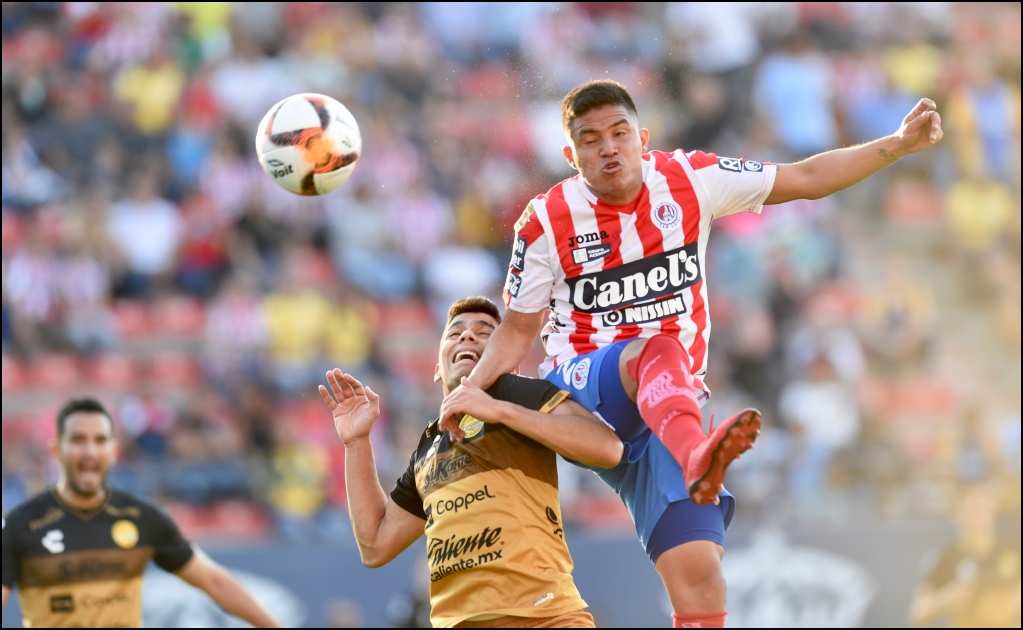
point(643, 280)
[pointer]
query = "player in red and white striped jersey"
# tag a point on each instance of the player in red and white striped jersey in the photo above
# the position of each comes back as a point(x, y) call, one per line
point(617, 255)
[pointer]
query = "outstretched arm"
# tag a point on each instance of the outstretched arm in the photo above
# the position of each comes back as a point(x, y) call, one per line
point(830, 172)
point(382, 528)
point(205, 574)
point(568, 429)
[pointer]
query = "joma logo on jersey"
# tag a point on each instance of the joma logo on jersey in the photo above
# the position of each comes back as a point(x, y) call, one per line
point(590, 237)
point(643, 280)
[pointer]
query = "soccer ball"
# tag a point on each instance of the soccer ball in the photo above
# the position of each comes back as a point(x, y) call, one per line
point(309, 144)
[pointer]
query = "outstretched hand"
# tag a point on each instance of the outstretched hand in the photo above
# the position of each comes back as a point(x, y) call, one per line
point(355, 408)
point(921, 128)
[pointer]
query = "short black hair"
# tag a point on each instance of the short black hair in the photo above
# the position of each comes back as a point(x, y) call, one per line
point(80, 405)
point(591, 95)
point(474, 304)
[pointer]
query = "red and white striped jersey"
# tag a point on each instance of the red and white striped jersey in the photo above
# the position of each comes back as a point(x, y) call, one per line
point(610, 273)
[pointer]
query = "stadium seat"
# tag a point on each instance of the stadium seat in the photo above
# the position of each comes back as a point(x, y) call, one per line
point(112, 372)
point(55, 372)
point(178, 317)
point(13, 231)
point(175, 371)
point(132, 319)
point(13, 375)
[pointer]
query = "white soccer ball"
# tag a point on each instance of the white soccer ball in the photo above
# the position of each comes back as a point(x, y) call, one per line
point(309, 144)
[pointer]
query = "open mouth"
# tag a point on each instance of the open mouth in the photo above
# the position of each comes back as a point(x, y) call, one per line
point(612, 167)
point(468, 357)
point(89, 473)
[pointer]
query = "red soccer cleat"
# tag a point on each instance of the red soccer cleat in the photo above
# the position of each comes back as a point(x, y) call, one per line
point(710, 459)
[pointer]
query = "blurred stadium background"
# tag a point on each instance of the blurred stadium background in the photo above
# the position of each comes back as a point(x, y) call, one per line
point(148, 260)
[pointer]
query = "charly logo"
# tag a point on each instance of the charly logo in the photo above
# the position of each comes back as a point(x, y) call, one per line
point(53, 541)
point(470, 426)
point(581, 374)
point(552, 516)
point(125, 534)
point(667, 215)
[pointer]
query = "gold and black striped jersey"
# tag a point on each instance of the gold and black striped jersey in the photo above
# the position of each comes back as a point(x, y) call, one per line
point(495, 542)
point(84, 569)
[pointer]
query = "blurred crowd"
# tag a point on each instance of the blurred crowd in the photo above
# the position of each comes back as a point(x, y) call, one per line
point(148, 260)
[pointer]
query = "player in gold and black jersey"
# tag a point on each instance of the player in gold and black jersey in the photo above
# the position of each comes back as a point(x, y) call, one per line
point(488, 503)
point(77, 552)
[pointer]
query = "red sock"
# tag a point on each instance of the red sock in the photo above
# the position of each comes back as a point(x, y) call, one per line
point(702, 620)
point(667, 396)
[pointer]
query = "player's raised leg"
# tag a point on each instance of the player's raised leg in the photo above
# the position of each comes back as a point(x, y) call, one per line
point(656, 374)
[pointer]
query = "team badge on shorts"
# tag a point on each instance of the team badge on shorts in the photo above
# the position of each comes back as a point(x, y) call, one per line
point(581, 374)
point(752, 166)
point(667, 215)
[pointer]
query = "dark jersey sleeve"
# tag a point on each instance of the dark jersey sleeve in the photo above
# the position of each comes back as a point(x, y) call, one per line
point(171, 550)
point(405, 492)
point(531, 393)
point(11, 560)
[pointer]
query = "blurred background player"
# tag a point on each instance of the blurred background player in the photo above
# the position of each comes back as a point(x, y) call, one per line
point(77, 552)
point(489, 503)
point(975, 581)
point(618, 254)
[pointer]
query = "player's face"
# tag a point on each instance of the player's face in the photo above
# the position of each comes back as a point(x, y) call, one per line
point(460, 350)
point(607, 147)
point(86, 451)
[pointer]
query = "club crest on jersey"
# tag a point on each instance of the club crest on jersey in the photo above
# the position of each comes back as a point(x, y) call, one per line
point(667, 215)
point(125, 534)
point(581, 374)
point(730, 164)
point(470, 426)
